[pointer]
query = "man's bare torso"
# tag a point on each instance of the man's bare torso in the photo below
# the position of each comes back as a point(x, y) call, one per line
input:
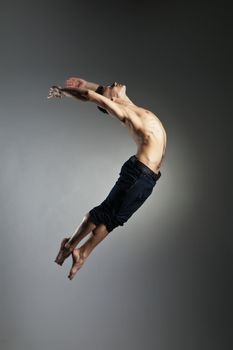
point(144, 126)
point(149, 134)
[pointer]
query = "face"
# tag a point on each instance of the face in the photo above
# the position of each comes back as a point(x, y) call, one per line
point(115, 90)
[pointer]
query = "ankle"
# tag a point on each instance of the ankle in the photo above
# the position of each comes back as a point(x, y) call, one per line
point(69, 247)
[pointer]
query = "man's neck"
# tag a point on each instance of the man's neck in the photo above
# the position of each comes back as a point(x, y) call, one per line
point(125, 100)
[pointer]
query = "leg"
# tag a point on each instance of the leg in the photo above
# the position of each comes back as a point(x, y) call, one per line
point(80, 255)
point(68, 244)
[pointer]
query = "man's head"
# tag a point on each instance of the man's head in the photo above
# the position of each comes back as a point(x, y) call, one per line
point(110, 91)
point(115, 90)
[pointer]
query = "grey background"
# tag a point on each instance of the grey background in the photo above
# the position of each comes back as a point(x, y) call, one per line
point(163, 280)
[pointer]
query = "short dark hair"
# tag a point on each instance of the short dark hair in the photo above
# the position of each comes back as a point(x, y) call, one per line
point(100, 90)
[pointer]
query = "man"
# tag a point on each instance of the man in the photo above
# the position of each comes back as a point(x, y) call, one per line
point(138, 174)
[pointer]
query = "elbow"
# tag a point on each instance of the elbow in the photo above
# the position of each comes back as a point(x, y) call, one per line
point(86, 95)
point(89, 95)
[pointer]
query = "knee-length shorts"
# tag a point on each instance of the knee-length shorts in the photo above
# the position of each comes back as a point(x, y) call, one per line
point(134, 185)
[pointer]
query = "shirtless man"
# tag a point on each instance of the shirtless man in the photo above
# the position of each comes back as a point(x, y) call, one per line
point(138, 175)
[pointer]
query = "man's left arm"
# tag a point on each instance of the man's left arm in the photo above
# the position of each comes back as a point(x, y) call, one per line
point(58, 91)
point(112, 107)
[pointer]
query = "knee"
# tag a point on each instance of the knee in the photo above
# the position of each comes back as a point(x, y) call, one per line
point(100, 229)
point(87, 219)
point(87, 222)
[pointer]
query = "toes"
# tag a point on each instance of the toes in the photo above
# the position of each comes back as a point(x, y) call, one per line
point(63, 252)
point(60, 258)
point(77, 263)
point(74, 270)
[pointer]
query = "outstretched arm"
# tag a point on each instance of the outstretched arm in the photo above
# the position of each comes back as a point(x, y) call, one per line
point(112, 107)
point(80, 83)
point(58, 91)
point(109, 105)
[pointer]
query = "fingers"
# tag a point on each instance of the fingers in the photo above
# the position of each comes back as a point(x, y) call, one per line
point(71, 82)
point(55, 91)
point(74, 82)
point(50, 95)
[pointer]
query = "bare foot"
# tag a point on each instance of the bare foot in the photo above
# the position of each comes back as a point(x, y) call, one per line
point(78, 261)
point(64, 252)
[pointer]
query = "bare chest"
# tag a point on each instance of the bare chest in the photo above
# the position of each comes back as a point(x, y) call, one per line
point(147, 128)
point(148, 133)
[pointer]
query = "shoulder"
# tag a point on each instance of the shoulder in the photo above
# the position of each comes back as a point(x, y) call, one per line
point(148, 116)
point(142, 116)
point(143, 112)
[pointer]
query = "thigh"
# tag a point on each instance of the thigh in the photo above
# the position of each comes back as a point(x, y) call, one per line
point(133, 198)
point(127, 183)
point(122, 201)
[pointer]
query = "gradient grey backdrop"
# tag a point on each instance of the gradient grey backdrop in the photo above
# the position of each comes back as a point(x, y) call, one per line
point(163, 280)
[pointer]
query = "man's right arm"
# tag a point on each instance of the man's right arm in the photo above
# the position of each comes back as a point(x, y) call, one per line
point(81, 83)
point(84, 94)
point(91, 86)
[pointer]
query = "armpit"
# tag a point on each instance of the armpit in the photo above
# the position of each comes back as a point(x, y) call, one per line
point(134, 120)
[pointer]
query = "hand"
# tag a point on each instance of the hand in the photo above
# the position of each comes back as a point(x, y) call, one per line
point(75, 83)
point(55, 91)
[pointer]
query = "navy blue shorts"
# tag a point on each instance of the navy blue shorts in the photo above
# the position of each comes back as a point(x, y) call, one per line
point(134, 185)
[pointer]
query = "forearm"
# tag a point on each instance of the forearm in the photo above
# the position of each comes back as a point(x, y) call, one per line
point(91, 86)
point(79, 93)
